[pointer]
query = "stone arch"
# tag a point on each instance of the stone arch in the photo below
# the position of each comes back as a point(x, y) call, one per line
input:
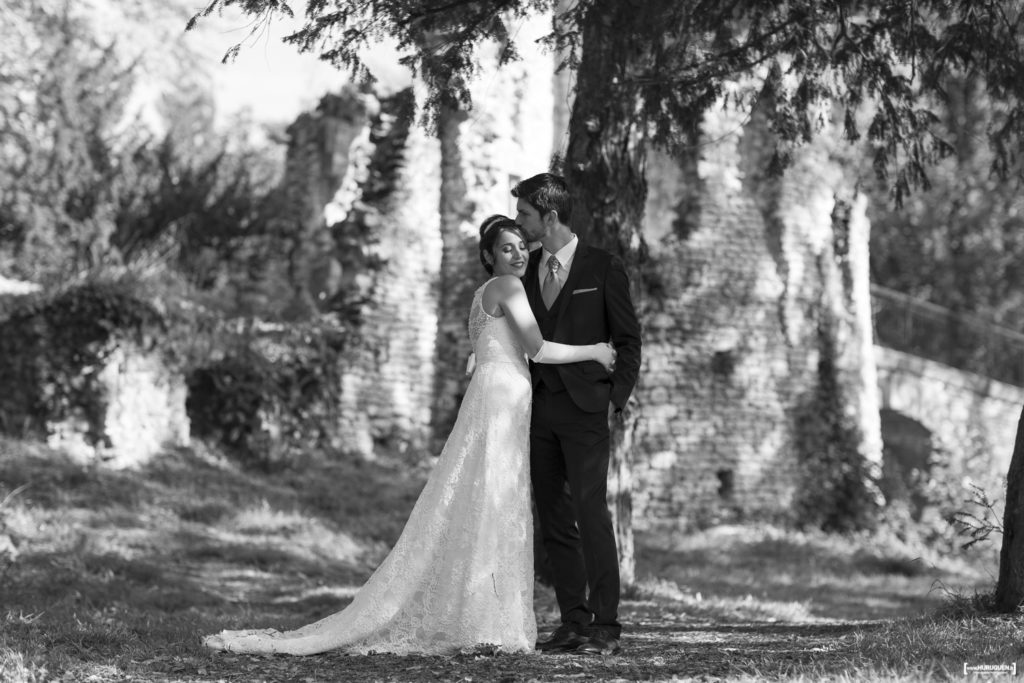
point(907, 457)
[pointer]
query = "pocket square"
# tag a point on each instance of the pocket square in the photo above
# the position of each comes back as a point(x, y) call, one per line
point(584, 291)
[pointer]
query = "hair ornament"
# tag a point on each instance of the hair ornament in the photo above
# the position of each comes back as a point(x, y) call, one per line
point(491, 222)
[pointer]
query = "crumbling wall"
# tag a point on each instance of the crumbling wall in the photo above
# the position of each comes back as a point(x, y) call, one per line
point(84, 370)
point(753, 295)
point(506, 137)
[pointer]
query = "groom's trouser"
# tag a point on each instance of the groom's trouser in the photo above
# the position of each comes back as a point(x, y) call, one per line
point(569, 470)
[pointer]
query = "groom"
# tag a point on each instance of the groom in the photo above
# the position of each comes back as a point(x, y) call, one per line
point(579, 295)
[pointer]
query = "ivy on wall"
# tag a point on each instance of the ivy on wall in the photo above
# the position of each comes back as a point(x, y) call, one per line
point(272, 399)
point(836, 488)
point(53, 349)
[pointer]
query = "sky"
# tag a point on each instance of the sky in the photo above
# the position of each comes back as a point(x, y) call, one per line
point(271, 78)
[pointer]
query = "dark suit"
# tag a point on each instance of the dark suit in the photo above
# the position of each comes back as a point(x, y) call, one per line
point(569, 439)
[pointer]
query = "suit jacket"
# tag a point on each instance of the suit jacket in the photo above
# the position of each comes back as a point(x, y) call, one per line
point(593, 306)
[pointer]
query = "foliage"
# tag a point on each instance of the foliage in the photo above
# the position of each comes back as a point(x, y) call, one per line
point(959, 243)
point(62, 152)
point(961, 495)
point(806, 55)
point(86, 186)
point(955, 519)
point(836, 485)
point(272, 399)
point(53, 348)
point(979, 520)
point(205, 201)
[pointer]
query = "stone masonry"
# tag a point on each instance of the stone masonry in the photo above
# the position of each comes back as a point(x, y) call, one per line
point(86, 379)
point(971, 419)
point(387, 386)
point(743, 264)
point(144, 412)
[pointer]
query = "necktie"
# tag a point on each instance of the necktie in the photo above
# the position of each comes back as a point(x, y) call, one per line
point(552, 285)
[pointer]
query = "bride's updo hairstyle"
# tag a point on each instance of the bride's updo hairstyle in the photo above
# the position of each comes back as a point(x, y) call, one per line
point(489, 231)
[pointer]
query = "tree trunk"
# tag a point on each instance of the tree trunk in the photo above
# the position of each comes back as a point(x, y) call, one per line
point(605, 167)
point(456, 282)
point(1010, 586)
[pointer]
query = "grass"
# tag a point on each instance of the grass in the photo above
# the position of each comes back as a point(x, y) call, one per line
point(113, 576)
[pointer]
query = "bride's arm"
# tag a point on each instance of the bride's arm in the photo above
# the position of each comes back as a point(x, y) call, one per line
point(511, 296)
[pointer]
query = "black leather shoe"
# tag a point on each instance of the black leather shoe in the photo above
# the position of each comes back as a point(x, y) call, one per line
point(566, 638)
point(599, 642)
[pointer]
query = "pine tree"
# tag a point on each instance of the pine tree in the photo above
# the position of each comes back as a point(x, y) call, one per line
point(62, 126)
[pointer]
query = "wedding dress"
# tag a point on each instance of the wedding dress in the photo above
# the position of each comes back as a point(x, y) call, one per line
point(461, 574)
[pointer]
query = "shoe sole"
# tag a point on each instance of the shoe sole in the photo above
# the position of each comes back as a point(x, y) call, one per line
point(570, 646)
point(582, 650)
point(561, 648)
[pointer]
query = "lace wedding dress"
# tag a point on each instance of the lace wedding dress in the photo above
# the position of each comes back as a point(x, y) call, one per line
point(461, 574)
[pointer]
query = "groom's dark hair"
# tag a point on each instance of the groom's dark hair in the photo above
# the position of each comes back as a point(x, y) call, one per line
point(546, 192)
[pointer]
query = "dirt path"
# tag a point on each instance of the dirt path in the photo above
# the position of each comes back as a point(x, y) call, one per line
point(120, 574)
point(678, 650)
point(670, 635)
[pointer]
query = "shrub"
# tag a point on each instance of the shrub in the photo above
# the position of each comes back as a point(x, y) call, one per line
point(52, 349)
point(273, 397)
point(837, 492)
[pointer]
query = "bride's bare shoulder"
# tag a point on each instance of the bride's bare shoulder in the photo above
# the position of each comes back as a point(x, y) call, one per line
point(500, 291)
point(506, 285)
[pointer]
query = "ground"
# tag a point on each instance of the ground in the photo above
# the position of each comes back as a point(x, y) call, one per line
point(114, 576)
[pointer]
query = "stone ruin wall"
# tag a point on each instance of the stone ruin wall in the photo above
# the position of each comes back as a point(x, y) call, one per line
point(387, 391)
point(731, 342)
point(136, 400)
point(377, 205)
point(377, 237)
point(144, 412)
point(741, 263)
point(970, 419)
point(716, 378)
point(402, 207)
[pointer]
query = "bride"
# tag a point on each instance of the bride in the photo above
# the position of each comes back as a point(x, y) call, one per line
point(461, 574)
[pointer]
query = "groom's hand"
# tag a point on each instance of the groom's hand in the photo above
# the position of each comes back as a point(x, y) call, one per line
point(617, 416)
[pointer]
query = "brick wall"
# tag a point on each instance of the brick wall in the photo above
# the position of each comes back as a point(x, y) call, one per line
point(745, 270)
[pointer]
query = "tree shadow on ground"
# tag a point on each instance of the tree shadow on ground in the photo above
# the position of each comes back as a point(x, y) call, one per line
point(120, 573)
point(817, 576)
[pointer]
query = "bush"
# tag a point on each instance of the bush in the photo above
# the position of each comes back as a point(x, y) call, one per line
point(837, 487)
point(273, 398)
point(52, 349)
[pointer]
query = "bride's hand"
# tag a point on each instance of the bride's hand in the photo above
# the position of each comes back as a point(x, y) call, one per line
point(605, 355)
